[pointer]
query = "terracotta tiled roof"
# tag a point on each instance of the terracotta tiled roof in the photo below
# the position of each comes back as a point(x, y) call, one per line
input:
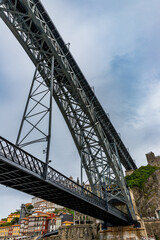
point(2, 222)
point(4, 227)
point(25, 218)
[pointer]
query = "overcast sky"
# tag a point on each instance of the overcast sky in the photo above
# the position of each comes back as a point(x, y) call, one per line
point(116, 45)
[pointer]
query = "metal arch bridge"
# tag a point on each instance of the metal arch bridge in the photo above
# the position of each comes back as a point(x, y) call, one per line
point(101, 150)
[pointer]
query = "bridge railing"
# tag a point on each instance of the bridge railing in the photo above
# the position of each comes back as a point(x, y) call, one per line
point(26, 160)
point(21, 157)
point(68, 184)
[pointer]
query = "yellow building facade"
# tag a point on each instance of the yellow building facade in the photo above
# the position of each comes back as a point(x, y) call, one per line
point(4, 231)
point(12, 215)
point(13, 230)
point(16, 230)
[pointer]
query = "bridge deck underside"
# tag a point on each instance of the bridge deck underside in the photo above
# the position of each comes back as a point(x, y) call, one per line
point(17, 178)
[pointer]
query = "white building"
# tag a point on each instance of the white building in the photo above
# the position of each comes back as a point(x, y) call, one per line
point(43, 205)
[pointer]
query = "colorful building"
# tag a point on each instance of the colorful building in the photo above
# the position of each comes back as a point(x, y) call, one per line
point(24, 226)
point(8, 231)
point(44, 206)
point(14, 230)
point(4, 231)
point(54, 223)
point(13, 215)
point(39, 223)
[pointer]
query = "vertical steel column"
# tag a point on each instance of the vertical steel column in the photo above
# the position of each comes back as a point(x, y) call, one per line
point(50, 113)
point(81, 169)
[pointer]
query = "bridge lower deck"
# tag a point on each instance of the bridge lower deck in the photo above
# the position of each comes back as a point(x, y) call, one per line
point(21, 171)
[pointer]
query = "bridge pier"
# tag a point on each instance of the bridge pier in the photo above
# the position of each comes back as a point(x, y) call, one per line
point(93, 232)
point(134, 232)
point(123, 233)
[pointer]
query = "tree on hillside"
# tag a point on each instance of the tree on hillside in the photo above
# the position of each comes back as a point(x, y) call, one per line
point(15, 221)
point(30, 207)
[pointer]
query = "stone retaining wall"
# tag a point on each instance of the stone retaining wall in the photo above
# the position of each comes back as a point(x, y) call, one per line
point(77, 232)
point(123, 233)
point(152, 227)
point(93, 232)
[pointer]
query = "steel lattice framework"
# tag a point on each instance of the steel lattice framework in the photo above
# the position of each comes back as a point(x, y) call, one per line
point(35, 113)
point(98, 144)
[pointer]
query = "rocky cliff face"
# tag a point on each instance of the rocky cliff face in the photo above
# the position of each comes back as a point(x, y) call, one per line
point(148, 198)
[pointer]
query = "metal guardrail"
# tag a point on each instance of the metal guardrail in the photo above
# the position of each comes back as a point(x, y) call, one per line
point(75, 188)
point(21, 157)
point(26, 160)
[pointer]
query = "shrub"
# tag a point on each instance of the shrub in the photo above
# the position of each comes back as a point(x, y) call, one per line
point(5, 224)
point(15, 221)
point(30, 207)
point(139, 177)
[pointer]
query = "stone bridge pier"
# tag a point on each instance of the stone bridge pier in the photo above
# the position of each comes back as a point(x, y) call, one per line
point(123, 233)
point(93, 232)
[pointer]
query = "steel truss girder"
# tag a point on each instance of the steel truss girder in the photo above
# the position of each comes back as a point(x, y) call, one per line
point(38, 108)
point(30, 112)
point(98, 157)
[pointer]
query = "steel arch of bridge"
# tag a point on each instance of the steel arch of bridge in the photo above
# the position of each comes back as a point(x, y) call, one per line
point(98, 144)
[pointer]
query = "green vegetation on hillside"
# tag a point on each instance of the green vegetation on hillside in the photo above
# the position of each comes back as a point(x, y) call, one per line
point(140, 176)
point(4, 219)
point(70, 211)
point(17, 212)
point(30, 207)
point(13, 222)
point(65, 210)
point(5, 224)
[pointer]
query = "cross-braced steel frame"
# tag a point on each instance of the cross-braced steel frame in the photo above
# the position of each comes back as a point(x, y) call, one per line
point(38, 108)
point(99, 146)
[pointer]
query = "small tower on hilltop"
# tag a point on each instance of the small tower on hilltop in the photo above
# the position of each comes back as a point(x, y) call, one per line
point(152, 159)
